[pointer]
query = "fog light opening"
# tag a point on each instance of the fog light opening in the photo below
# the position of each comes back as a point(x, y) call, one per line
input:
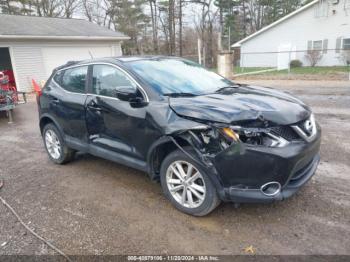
point(271, 188)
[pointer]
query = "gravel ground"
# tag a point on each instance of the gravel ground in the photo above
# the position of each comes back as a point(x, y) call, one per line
point(93, 206)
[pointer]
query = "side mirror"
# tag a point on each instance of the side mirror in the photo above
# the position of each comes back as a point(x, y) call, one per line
point(126, 93)
point(137, 102)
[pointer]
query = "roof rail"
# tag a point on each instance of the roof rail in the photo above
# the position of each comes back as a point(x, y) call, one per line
point(69, 63)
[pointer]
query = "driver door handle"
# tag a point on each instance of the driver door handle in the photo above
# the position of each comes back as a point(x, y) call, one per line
point(95, 108)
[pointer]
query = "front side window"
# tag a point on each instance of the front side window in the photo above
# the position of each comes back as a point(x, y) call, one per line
point(107, 80)
point(73, 79)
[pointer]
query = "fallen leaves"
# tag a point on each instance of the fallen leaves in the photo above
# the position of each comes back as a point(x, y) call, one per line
point(250, 249)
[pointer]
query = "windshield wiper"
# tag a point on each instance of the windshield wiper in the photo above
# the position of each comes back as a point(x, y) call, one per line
point(221, 89)
point(180, 94)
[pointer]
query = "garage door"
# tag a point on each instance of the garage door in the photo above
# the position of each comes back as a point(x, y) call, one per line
point(56, 56)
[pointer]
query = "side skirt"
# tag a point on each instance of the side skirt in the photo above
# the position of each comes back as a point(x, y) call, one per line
point(106, 154)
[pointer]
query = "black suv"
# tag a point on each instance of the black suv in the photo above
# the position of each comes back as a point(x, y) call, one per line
point(204, 137)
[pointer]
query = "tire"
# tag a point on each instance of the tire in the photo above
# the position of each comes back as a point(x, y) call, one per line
point(204, 201)
point(59, 153)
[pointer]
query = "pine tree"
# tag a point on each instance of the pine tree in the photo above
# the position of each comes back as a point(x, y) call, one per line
point(129, 18)
point(19, 7)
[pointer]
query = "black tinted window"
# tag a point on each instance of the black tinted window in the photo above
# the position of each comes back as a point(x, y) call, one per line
point(73, 79)
point(107, 79)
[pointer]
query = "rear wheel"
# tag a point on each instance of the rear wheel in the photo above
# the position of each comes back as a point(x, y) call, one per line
point(55, 146)
point(187, 186)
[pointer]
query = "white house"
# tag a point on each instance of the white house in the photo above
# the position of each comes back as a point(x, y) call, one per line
point(33, 46)
point(320, 25)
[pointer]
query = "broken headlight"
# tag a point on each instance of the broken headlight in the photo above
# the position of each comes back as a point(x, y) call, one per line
point(215, 139)
point(258, 137)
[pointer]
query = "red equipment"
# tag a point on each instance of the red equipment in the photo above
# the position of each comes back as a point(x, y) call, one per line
point(11, 77)
point(8, 93)
point(8, 86)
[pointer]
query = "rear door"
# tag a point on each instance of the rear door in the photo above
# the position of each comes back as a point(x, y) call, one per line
point(64, 99)
point(112, 123)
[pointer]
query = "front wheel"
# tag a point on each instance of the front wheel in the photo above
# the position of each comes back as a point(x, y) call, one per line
point(187, 186)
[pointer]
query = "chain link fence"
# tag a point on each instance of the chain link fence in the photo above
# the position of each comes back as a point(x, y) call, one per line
point(334, 63)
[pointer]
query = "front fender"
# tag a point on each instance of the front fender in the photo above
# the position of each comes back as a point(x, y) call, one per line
point(184, 142)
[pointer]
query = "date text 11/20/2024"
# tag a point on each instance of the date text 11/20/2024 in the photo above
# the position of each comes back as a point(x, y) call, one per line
point(173, 258)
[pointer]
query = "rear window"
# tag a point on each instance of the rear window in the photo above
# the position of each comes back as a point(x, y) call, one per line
point(73, 79)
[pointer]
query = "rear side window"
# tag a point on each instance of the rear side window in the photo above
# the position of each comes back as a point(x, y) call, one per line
point(58, 77)
point(73, 80)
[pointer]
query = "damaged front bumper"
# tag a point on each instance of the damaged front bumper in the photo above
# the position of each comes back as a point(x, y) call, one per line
point(241, 195)
point(241, 170)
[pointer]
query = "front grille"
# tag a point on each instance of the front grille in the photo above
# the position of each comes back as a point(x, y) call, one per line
point(285, 132)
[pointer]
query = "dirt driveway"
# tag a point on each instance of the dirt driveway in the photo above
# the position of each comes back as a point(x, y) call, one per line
point(93, 206)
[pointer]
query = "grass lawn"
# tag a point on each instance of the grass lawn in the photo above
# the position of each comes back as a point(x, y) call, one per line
point(240, 70)
point(324, 70)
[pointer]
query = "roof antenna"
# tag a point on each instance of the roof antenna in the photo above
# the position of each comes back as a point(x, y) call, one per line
point(92, 57)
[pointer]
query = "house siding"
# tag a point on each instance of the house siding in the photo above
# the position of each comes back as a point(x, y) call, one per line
point(28, 64)
point(294, 34)
point(36, 59)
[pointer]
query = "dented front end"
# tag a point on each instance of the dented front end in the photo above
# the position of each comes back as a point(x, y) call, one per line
point(244, 161)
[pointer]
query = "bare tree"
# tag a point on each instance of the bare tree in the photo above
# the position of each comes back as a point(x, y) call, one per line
point(180, 26)
point(97, 11)
point(171, 26)
point(49, 8)
point(154, 22)
point(204, 24)
point(313, 56)
point(69, 7)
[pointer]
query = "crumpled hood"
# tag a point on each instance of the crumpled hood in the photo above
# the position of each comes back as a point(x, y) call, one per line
point(243, 104)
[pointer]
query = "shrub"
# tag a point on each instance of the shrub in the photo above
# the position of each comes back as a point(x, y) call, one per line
point(345, 57)
point(296, 63)
point(313, 56)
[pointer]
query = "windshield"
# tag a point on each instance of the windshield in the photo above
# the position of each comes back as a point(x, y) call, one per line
point(168, 76)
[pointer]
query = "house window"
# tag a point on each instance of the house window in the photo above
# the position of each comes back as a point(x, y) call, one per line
point(338, 45)
point(346, 43)
point(325, 46)
point(317, 45)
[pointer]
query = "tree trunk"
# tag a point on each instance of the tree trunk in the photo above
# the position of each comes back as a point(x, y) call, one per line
point(180, 28)
point(244, 20)
point(153, 19)
point(210, 44)
point(171, 27)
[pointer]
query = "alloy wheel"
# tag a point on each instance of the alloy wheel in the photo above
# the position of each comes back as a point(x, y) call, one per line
point(186, 184)
point(53, 144)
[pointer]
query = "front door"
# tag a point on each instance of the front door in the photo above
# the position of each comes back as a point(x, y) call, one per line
point(112, 122)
